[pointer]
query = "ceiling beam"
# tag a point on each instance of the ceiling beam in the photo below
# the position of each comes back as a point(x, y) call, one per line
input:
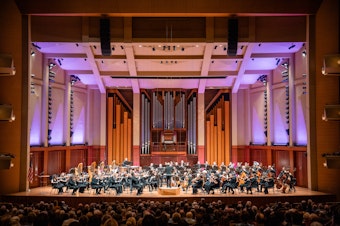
point(205, 66)
point(92, 62)
point(130, 58)
point(168, 8)
point(242, 69)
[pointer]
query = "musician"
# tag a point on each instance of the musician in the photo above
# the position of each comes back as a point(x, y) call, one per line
point(223, 167)
point(212, 183)
point(197, 183)
point(242, 178)
point(230, 183)
point(72, 184)
point(126, 162)
point(168, 174)
point(97, 184)
point(267, 181)
point(136, 184)
point(82, 183)
point(207, 166)
point(160, 171)
point(214, 166)
point(56, 183)
point(115, 183)
point(153, 181)
point(185, 181)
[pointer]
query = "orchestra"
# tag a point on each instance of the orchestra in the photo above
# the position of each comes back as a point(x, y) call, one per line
point(199, 177)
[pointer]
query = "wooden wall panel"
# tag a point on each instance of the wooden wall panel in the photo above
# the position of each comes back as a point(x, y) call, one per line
point(300, 163)
point(57, 162)
point(78, 156)
point(258, 155)
point(281, 159)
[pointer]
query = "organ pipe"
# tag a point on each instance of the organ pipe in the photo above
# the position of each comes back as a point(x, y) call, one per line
point(194, 113)
point(143, 126)
point(217, 129)
point(148, 128)
point(183, 111)
point(154, 108)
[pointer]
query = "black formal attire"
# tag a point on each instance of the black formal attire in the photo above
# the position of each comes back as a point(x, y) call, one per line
point(72, 184)
point(168, 175)
point(136, 184)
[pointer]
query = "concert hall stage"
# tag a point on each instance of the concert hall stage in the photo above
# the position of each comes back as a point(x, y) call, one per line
point(48, 194)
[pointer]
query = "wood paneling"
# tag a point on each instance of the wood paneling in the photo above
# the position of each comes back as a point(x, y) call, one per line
point(300, 163)
point(145, 160)
point(57, 162)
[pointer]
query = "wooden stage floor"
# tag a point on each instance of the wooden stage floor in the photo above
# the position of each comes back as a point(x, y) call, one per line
point(48, 194)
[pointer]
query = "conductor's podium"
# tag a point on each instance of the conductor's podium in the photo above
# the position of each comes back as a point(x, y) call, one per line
point(169, 191)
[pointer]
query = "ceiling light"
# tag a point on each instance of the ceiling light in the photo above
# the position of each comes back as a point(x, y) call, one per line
point(291, 47)
point(36, 46)
point(32, 53)
point(304, 53)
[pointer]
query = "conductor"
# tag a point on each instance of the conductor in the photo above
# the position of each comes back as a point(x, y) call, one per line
point(168, 174)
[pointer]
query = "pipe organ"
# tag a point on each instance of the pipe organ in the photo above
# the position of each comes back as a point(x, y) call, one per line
point(145, 125)
point(217, 129)
point(119, 138)
point(192, 124)
point(165, 121)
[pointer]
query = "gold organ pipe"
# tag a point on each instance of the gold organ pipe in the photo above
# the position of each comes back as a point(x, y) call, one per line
point(109, 130)
point(125, 134)
point(227, 131)
point(208, 142)
point(129, 139)
point(212, 138)
point(118, 132)
point(219, 136)
point(121, 146)
point(215, 151)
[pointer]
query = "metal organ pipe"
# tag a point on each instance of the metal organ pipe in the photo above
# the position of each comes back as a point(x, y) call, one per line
point(172, 111)
point(148, 127)
point(143, 125)
point(194, 125)
point(154, 110)
point(183, 110)
point(166, 110)
point(189, 127)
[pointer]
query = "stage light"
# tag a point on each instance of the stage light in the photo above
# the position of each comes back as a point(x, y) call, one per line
point(291, 47)
point(304, 53)
point(36, 46)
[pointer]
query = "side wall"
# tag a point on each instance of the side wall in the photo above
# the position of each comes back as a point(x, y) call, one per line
point(11, 93)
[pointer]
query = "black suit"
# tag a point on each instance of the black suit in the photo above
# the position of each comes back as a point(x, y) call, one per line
point(168, 175)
